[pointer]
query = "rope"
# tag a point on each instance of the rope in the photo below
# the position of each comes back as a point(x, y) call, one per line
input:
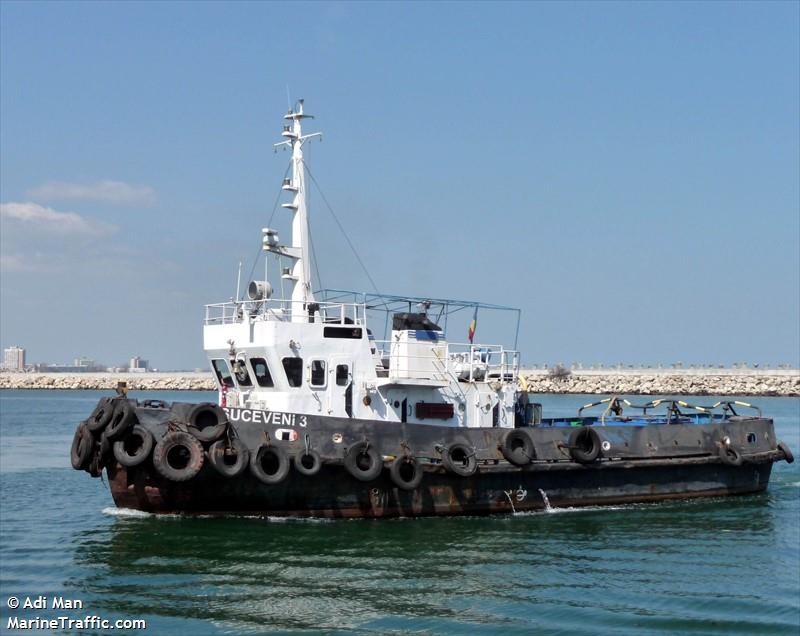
point(341, 228)
point(314, 256)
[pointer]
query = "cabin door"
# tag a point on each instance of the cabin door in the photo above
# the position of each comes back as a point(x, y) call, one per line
point(340, 390)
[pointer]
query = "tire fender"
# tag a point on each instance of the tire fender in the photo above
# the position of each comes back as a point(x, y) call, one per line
point(269, 464)
point(363, 462)
point(787, 453)
point(730, 455)
point(517, 447)
point(307, 462)
point(134, 448)
point(178, 456)
point(122, 419)
point(207, 422)
point(82, 446)
point(406, 472)
point(229, 458)
point(101, 415)
point(459, 459)
point(584, 445)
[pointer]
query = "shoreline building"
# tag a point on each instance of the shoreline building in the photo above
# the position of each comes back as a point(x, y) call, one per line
point(137, 365)
point(14, 359)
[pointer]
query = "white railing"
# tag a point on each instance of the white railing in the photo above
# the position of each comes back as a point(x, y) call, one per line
point(444, 362)
point(281, 310)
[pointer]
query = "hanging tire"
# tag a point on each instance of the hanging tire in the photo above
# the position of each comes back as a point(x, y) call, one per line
point(787, 453)
point(82, 445)
point(584, 445)
point(517, 447)
point(406, 473)
point(207, 422)
point(730, 456)
point(178, 456)
point(101, 415)
point(307, 462)
point(270, 464)
point(363, 462)
point(105, 447)
point(122, 419)
point(229, 458)
point(134, 448)
point(460, 459)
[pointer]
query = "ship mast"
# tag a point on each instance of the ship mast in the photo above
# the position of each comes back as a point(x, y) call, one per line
point(299, 275)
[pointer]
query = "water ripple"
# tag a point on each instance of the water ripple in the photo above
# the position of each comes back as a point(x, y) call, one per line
point(720, 566)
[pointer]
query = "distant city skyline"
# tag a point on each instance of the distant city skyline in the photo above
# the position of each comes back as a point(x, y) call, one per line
point(625, 173)
point(137, 363)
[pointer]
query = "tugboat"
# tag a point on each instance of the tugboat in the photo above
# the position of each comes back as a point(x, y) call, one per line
point(316, 417)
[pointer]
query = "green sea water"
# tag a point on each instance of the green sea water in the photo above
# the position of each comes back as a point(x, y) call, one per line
point(712, 566)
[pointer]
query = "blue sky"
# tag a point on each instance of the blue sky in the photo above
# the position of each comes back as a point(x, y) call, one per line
point(627, 174)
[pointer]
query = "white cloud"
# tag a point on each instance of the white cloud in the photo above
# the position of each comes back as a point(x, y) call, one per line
point(51, 220)
point(114, 192)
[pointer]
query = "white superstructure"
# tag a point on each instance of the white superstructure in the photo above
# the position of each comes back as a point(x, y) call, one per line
point(317, 355)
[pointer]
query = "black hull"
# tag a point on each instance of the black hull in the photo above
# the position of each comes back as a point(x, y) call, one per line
point(335, 494)
point(638, 464)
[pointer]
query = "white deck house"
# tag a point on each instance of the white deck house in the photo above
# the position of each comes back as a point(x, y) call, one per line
point(318, 356)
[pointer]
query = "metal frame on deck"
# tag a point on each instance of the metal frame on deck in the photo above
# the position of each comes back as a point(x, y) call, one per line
point(390, 304)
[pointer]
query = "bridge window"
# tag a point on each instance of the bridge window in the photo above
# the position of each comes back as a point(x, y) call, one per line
point(240, 371)
point(318, 373)
point(342, 375)
point(294, 371)
point(261, 371)
point(353, 333)
point(222, 372)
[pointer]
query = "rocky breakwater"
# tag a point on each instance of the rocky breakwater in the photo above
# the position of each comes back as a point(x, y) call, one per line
point(605, 382)
point(666, 382)
point(100, 381)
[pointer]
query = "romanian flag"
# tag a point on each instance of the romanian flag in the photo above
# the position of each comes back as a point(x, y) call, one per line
point(473, 325)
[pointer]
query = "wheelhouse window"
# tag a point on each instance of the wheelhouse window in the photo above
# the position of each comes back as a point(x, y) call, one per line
point(318, 375)
point(222, 372)
point(293, 367)
point(342, 375)
point(261, 372)
point(241, 374)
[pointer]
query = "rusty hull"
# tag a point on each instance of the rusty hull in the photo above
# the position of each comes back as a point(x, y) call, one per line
point(333, 493)
point(638, 464)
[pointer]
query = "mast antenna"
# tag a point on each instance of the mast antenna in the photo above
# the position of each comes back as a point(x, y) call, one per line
point(298, 276)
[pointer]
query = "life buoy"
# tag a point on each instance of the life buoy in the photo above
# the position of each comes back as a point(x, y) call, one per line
point(178, 456)
point(459, 458)
point(270, 464)
point(81, 451)
point(406, 472)
point(307, 462)
point(787, 453)
point(584, 445)
point(517, 447)
point(132, 449)
point(363, 462)
point(229, 458)
point(730, 455)
point(207, 422)
point(122, 419)
point(101, 415)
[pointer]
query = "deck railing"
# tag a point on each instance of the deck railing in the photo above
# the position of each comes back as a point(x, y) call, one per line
point(281, 310)
point(443, 362)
